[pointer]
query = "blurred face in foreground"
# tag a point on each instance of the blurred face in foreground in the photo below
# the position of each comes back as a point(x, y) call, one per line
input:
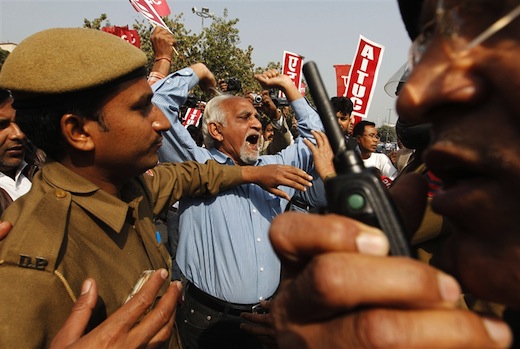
point(468, 87)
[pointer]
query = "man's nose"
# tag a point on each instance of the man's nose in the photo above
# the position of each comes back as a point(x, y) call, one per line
point(160, 121)
point(437, 81)
point(16, 132)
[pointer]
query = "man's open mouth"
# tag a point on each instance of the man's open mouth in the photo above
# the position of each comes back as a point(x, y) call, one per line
point(253, 139)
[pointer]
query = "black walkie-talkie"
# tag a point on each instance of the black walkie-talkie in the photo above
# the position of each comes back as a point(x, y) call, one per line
point(356, 191)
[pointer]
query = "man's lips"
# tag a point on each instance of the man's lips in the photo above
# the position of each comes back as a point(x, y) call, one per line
point(16, 150)
point(453, 164)
point(464, 178)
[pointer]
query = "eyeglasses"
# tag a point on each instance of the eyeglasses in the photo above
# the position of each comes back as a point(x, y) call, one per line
point(372, 135)
point(463, 25)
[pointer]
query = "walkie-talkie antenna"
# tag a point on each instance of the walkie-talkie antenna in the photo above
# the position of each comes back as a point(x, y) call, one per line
point(356, 191)
point(344, 159)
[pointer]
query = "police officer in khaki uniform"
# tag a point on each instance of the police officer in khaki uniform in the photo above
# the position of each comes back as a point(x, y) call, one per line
point(81, 95)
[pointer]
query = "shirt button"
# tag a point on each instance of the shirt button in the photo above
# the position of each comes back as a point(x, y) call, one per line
point(261, 268)
point(260, 298)
point(60, 193)
point(254, 210)
point(258, 239)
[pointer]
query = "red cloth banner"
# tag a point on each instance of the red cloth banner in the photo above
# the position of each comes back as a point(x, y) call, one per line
point(148, 10)
point(363, 75)
point(342, 74)
point(129, 35)
point(292, 67)
point(192, 117)
point(161, 6)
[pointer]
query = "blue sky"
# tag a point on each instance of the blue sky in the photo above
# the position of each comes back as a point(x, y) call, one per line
point(326, 32)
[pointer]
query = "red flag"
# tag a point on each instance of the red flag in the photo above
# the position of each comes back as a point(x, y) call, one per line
point(303, 88)
point(192, 117)
point(342, 74)
point(149, 12)
point(292, 66)
point(363, 75)
point(161, 6)
point(129, 35)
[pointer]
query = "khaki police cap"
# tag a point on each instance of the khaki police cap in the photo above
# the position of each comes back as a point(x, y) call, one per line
point(67, 60)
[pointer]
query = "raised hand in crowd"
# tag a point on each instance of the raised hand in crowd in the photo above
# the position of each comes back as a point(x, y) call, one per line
point(322, 155)
point(269, 108)
point(274, 79)
point(131, 326)
point(163, 44)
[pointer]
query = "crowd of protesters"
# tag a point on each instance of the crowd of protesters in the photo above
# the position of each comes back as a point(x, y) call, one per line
point(89, 163)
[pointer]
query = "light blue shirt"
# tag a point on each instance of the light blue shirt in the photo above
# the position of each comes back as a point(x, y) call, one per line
point(224, 247)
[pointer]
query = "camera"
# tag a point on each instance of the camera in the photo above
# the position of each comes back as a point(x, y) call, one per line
point(279, 102)
point(257, 99)
point(234, 84)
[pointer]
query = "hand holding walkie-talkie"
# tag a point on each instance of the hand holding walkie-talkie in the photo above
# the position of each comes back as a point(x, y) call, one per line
point(356, 191)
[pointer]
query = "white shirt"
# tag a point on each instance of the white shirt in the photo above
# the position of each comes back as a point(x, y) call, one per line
point(17, 187)
point(383, 163)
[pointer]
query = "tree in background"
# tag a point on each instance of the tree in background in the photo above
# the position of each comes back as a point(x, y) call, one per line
point(387, 134)
point(216, 46)
point(3, 56)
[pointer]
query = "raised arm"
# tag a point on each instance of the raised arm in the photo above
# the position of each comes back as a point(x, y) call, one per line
point(169, 95)
point(163, 43)
point(307, 118)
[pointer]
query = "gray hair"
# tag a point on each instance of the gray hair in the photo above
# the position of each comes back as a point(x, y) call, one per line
point(213, 113)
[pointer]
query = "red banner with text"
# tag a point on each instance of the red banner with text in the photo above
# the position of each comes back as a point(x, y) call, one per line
point(129, 35)
point(192, 117)
point(363, 75)
point(149, 9)
point(292, 67)
point(342, 74)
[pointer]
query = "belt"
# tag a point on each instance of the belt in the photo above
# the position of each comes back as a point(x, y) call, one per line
point(298, 205)
point(220, 305)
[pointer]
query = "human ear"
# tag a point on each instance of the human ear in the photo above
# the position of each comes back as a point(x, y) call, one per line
point(215, 131)
point(75, 131)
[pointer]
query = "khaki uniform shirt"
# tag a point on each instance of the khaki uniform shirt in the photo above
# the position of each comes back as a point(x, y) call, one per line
point(67, 229)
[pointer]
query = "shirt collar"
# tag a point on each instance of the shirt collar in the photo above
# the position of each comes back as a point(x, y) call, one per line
point(104, 206)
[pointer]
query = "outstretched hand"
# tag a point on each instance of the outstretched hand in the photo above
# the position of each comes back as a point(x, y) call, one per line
point(122, 329)
point(322, 155)
point(269, 177)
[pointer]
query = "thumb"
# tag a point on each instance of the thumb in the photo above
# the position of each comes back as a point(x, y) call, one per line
point(5, 228)
point(77, 321)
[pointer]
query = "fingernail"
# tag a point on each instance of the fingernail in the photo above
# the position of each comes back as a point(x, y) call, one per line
point(498, 331)
point(177, 284)
point(372, 244)
point(85, 288)
point(164, 274)
point(448, 287)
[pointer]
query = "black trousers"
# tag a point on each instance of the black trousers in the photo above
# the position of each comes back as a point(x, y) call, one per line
point(201, 327)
